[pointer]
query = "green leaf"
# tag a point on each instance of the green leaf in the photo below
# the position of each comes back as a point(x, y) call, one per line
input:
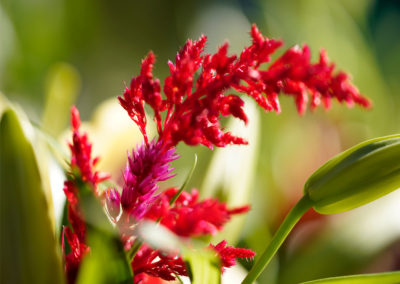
point(381, 278)
point(204, 266)
point(106, 262)
point(357, 176)
point(28, 247)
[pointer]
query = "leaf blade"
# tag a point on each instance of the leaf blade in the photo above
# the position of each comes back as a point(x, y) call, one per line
point(28, 245)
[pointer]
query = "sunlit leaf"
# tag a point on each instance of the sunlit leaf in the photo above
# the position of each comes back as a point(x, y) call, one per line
point(204, 266)
point(106, 262)
point(28, 246)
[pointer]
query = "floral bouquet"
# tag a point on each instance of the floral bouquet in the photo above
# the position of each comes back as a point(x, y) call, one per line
point(130, 231)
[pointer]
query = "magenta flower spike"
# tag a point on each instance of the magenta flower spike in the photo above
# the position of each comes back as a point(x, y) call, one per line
point(147, 166)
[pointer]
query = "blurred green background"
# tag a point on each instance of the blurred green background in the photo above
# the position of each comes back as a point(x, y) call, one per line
point(57, 52)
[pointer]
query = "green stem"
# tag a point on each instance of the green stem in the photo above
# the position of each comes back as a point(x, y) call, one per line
point(291, 219)
point(386, 277)
point(179, 278)
point(175, 197)
point(134, 249)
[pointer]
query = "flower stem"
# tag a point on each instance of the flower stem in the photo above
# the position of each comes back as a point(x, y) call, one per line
point(189, 176)
point(291, 219)
point(134, 249)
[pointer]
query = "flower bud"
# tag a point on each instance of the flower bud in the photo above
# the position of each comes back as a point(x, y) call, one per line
point(357, 176)
point(113, 201)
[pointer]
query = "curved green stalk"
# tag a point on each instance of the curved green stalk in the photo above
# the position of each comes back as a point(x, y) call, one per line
point(382, 278)
point(189, 176)
point(291, 219)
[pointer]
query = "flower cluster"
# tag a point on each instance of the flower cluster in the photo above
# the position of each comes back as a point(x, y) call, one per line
point(196, 95)
point(190, 217)
point(149, 262)
point(148, 165)
point(229, 254)
point(82, 171)
point(193, 107)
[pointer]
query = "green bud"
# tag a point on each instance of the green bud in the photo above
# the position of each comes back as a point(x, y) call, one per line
point(357, 176)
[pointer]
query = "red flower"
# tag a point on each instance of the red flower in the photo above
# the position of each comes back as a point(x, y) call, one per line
point(148, 165)
point(143, 89)
point(193, 107)
point(229, 254)
point(189, 217)
point(74, 258)
point(293, 74)
point(81, 154)
point(82, 165)
point(196, 97)
point(155, 263)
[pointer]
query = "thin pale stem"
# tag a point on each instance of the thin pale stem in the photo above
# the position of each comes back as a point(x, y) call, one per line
point(290, 221)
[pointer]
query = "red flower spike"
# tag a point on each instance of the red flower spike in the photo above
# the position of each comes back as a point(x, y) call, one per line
point(75, 118)
point(293, 74)
point(74, 258)
point(81, 154)
point(75, 218)
point(233, 105)
point(151, 88)
point(147, 166)
point(261, 49)
point(190, 217)
point(239, 210)
point(82, 165)
point(194, 110)
point(187, 62)
point(143, 89)
point(229, 254)
point(133, 103)
point(155, 263)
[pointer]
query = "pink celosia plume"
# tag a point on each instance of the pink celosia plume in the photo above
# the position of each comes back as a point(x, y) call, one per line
point(148, 165)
